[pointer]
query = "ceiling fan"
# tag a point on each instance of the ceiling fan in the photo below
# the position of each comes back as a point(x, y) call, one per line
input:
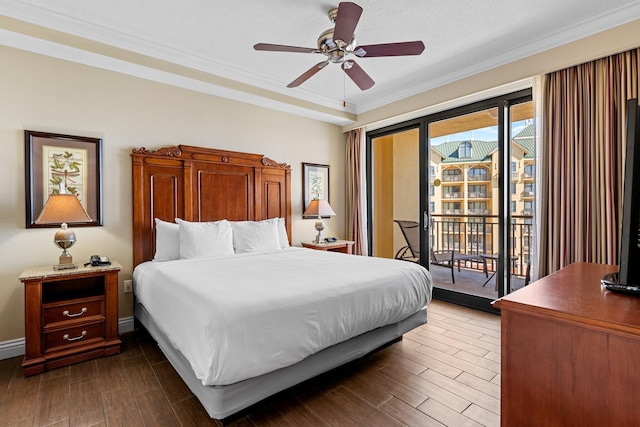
point(338, 42)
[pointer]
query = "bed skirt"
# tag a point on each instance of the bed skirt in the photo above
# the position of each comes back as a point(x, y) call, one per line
point(223, 401)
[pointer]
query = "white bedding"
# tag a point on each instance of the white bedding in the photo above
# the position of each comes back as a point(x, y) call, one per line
point(239, 316)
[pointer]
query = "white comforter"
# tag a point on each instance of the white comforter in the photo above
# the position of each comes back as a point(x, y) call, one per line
point(240, 316)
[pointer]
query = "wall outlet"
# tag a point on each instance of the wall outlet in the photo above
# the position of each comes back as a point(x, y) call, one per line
point(128, 286)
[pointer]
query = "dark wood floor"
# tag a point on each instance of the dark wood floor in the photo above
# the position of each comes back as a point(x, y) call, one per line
point(442, 373)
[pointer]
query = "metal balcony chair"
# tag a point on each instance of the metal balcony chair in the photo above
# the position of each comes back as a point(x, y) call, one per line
point(411, 232)
point(446, 258)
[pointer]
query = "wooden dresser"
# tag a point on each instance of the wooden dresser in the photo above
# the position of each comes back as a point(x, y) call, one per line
point(70, 315)
point(570, 352)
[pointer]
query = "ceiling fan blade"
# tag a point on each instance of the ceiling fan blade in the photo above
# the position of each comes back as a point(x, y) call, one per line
point(308, 74)
point(390, 49)
point(346, 21)
point(357, 74)
point(284, 48)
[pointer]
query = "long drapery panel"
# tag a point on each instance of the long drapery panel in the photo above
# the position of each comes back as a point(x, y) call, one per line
point(355, 191)
point(582, 168)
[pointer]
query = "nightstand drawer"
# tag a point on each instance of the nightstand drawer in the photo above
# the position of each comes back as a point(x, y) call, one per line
point(77, 335)
point(73, 310)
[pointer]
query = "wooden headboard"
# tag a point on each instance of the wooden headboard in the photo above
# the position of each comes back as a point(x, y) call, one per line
point(204, 184)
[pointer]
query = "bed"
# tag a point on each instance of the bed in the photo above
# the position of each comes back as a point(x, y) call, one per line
point(243, 325)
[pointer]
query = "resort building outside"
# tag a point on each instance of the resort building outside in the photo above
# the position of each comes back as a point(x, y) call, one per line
point(463, 200)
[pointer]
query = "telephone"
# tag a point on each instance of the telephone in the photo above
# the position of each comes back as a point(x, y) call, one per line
point(330, 239)
point(97, 260)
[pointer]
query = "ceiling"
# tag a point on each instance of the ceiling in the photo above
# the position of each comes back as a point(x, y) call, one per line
point(207, 45)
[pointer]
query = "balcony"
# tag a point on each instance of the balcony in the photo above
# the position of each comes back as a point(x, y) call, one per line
point(478, 178)
point(479, 195)
point(478, 211)
point(452, 178)
point(526, 195)
point(451, 195)
point(473, 234)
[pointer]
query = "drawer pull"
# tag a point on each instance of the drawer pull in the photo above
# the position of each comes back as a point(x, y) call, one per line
point(83, 311)
point(79, 337)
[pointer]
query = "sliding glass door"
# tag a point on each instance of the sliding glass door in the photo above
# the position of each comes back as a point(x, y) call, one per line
point(455, 191)
point(395, 194)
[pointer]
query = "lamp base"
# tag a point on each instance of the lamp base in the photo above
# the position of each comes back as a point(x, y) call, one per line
point(319, 228)
point(65, 261)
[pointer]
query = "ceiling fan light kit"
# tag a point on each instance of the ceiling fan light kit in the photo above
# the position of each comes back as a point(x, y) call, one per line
point(338, 42)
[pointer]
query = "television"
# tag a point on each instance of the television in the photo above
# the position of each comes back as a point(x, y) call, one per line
point(627, 278)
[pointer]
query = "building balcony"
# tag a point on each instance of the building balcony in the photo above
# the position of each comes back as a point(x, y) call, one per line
point(479, 195)
point(452, 196)
point(478, 178)
point(452, 178)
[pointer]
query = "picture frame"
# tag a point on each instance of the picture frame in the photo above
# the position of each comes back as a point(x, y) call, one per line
point(315, 184)
point(55, 162)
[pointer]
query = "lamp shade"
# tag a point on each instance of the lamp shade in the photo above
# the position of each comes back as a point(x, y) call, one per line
point(319, 207)
point(62, 208)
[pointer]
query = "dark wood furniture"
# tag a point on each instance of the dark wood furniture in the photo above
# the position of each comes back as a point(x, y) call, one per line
point(204, 184)
point(570, 352)
point(70, 315)
point(344, 246)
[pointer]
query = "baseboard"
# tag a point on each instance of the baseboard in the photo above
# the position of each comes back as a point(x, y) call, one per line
point(14, 348)
point(125, 324)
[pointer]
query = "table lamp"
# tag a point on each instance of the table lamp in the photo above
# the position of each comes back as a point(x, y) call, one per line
point(63, 208)
point(319, 208)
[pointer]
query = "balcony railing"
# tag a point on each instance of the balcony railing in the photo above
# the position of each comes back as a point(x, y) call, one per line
point(476, 178)
point(479, 195)
point(452, 178)
point(451, 195)
point(477, 235)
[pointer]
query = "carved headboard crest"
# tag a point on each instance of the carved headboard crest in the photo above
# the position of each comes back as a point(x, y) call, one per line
point(166, 151)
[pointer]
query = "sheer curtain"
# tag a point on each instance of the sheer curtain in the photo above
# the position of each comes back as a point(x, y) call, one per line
point(582, 160)
point(356, 217)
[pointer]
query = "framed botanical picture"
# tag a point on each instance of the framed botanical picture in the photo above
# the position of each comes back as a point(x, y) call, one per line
point(315, 184)
point(57, 164)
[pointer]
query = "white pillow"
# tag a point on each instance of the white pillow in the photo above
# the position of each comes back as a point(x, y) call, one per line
point(255, 236)
point(282, 234)
point(205, 239)
point(167, 241)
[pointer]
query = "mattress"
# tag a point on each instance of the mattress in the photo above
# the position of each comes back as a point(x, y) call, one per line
point(240, 316)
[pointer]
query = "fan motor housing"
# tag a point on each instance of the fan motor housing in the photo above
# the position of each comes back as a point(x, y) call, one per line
point(328, 46)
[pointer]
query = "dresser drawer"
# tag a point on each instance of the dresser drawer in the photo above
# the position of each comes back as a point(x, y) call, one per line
point(77, 335)
point(73, 310)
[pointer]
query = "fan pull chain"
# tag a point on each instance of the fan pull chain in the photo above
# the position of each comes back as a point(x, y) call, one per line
point(344, 91)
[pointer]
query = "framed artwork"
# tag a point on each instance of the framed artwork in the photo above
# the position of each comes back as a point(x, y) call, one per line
point(315, 184)
point(56, 164)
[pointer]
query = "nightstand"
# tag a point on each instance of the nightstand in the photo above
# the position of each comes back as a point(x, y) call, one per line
point(70, 315)
point(344, 246)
